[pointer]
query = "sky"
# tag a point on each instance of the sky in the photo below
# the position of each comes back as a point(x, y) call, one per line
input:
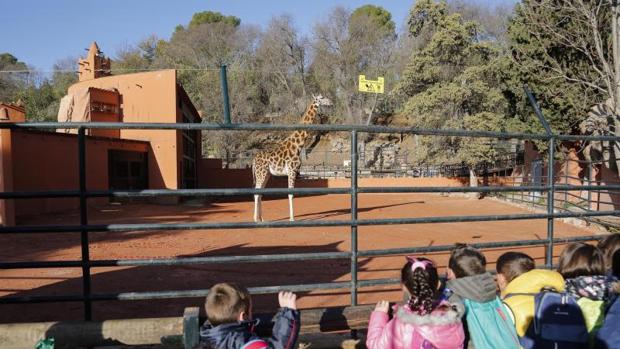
point(41, 32)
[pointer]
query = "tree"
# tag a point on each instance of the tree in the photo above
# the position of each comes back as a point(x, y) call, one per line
point(42, 97)
point(493, 21)
point(39, 101)
point(569, 51)
point(455, 80)
point(346, 45)
point(203, 17)
point(282, 57)
point(13, 76)
point(380, 17)
point(197, 53)
point(135, 57)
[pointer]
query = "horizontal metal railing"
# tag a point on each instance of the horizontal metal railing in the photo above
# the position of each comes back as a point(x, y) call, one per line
point(294, 127)
point(297, 191)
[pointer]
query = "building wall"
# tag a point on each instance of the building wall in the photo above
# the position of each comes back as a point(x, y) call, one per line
point(42, 161)
point(12, 113)
point(573, 171)
point(7, 210)
point(186, 112)
point(148, 97)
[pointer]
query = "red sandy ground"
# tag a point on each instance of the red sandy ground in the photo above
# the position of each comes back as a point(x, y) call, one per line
point(45, 247)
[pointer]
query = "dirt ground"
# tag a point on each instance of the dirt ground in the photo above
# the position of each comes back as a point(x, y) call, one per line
point(66, 246)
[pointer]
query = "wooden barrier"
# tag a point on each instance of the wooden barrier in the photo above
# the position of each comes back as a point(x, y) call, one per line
point(175, 332)
point(71, 335)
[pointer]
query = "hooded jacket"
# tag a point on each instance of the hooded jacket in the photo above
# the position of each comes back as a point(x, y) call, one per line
point(478, 288)
point(441, 329)
point(240, 335)
point(519, 294)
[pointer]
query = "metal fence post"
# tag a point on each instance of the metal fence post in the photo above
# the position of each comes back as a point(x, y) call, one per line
point(353, 217)
point(566, 178)
point(550, 182)
point(550, 199)
point(589, 183)
point(224, 82)
point(83, 222)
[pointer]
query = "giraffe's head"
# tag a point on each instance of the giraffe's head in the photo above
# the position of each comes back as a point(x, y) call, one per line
point(320, 100)
point(321, 103)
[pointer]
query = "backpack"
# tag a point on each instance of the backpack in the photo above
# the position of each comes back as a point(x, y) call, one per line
point(489, 325)
point(558, 323)
point(608, 336)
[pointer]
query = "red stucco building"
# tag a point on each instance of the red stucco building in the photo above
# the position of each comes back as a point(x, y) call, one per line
point(117, 159)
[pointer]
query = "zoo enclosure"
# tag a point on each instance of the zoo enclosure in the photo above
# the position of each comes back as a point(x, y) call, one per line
point(84, 227)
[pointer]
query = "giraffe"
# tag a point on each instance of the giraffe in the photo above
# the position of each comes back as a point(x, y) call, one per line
point(284, 160)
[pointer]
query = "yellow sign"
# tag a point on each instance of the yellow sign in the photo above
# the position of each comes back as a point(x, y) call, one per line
point(372, 86)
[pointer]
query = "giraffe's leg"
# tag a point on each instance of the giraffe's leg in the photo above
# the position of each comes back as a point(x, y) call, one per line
point(261, 181)
point(291, 185)
point(257, 203)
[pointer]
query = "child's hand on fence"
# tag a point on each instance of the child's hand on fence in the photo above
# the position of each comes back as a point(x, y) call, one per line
point(287, 300)
point(383, 306)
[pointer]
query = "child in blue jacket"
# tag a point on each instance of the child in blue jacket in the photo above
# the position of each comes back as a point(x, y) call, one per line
point(229, 322)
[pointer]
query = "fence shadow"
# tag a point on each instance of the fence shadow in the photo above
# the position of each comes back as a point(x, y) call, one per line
point(331, 213)
point(37, 246)
point(188, 277)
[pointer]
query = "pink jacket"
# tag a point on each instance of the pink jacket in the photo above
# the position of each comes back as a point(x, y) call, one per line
point(442, 329)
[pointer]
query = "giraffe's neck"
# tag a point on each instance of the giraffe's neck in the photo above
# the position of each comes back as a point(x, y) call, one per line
point(298, 138)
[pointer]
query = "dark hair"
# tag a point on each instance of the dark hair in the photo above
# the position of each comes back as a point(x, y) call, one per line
point(513, 264)
point(467, 261)
point(581, 259)
point(225, 302)
point(422, 285)
point(610, 245)
point(615, 264)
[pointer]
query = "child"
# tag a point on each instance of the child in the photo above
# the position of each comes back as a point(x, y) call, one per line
point(424, 322)
point(519, 281)
point(487, 320)
point(229, 322)
point(583, 268)
point(610, 246)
